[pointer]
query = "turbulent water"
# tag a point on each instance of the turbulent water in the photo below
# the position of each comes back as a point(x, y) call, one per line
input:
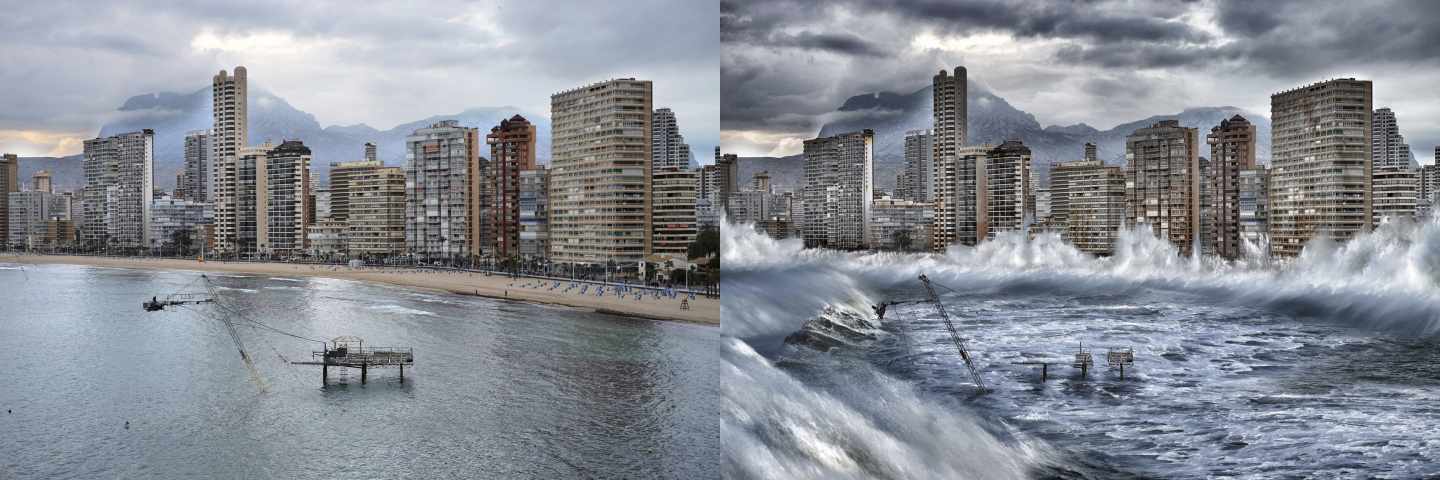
point(1323, 366)
point(498, 390)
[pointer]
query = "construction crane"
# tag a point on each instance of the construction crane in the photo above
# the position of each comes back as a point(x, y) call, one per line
point(954, 334)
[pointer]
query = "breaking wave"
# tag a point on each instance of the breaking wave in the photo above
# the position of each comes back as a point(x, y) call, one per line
point(811, 421)
point(774, 426)
point(1386, 279)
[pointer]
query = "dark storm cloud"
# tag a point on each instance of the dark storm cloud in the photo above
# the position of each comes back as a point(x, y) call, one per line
point(1257, 46)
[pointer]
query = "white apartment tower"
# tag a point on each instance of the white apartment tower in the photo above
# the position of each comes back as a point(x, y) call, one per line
point(600, 171)
point(442, 183)
point(228, 134)
point(119, 187)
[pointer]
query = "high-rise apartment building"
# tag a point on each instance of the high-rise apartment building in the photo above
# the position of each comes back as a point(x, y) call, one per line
point(535, 212)
point(342, 174)
point(668, 147)
point(1091, 154)
point(1320, 167)
point(286, 196)
point(1007, 202)
point(119, 188)
point(170, 215)
point(1254, 205)
point(229, 133)
point(376, 224)
point(1395, 192)
point(728, 169)
point(27, 212)
point(1232, 150)
point(442, 183)
point(900, 224)
point(600, 206)
point(370, 152)
point(1430, 185)
point(41, 181)
point(1387, 145)
point(1096, 206)
point(838, 190)
point(1162, 182)
point(248, 201)
point(950, 113)
point(9, 182)
point(194, 181)
point(675, 189)
point(919, 150)
point(1060, 179)
point(959, 196)
point(512, 151)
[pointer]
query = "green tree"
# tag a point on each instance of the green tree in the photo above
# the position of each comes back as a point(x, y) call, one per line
point(182, 240)
point(706, 243)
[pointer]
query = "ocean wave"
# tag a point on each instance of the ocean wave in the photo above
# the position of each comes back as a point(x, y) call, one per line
point(1386, 279)
point(399, 310)
point(246, 290)
point(283, 279)
point(774, 426)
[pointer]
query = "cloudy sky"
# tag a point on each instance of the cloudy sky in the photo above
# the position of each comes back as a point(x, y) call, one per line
point(786, 64)
point(65, 66)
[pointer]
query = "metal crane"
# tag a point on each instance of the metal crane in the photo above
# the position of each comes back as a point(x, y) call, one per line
point(954, 334)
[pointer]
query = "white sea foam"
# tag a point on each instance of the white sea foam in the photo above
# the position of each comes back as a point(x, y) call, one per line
point(283, 279)
point(397, 309)
point(774, 426)
point(1389, 278)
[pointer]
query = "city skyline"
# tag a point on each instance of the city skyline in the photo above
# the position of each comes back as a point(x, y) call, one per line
point(1102, 64)
point(380, 65)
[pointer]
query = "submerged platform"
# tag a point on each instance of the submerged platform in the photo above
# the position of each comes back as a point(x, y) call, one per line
point(351, 352)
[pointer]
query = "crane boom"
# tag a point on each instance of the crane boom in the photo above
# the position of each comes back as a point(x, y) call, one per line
point(954, 334)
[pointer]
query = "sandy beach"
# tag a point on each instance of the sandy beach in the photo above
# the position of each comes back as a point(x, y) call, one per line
point(702, 310)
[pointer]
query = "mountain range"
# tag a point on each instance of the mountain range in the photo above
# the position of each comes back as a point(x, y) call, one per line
point(172, 115)
point(991, 120)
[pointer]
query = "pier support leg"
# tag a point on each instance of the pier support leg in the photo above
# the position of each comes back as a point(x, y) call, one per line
point(1084, 370)
point(362, 373)
point(324, 374)
point(402, 373)
point(1044, 371)
point(1122, 371)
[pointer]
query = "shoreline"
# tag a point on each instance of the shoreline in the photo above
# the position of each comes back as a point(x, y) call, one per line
point(703, 311)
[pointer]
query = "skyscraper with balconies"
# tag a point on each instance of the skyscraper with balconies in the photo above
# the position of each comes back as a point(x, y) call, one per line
point(668, 147)
point(600, 170)
point(9, 182)
point(1232, 150)
point(1321, 163)
point(119, 187)
point(442, 185)
point(512, 151)
point(838, 190)
point(950, 113)
point(228, 135)
point(1162, 182)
